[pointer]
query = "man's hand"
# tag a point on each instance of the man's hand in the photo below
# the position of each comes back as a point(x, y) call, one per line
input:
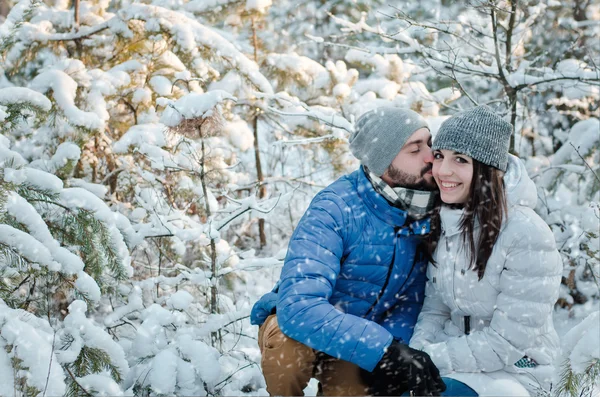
point(402, 369)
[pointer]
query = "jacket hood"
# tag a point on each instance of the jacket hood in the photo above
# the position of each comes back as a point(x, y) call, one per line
point(520, 189)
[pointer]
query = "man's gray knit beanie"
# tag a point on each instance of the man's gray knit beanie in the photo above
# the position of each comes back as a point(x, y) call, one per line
point(479, 133)
point(379, 134)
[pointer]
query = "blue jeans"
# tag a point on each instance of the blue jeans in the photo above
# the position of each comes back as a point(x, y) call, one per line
point(455, 388)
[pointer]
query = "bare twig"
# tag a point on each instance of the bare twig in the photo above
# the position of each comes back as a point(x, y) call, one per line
point(235, 321)
point(161, 235)
point(50, 365)
point(585, 162)
point(81, 34)
point(594, 81)
point(497, 47)
point(404, 17)
point(235, 372)
point(243, 210)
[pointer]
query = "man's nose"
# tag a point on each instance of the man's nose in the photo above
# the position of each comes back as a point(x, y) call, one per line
point(428, 156)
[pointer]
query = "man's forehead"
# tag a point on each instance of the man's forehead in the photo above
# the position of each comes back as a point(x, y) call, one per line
point(419, 136)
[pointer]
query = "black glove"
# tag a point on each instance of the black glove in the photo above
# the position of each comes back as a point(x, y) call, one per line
point(403, 369)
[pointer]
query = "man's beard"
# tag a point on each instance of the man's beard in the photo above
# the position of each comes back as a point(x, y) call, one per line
point(402, 179)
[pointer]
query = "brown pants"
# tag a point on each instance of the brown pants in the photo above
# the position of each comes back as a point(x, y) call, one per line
point(289, 365)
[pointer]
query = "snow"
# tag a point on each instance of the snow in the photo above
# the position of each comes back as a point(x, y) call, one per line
point(140, 134)
point(193, 106)
point(134, 304)
point(6, 371)
point(202, 357)
point(580, 345)
point(27, 246)
point(100, 385)
point(34, 349)
point(64, 89)
point(161, 85)
point(65, 153)
point(18, 177)
point(190, 33)
point(240, 135)
point(93, 336)
point(8, 156)
point(583, 136)
point(97, 189)
point(376, 61)
point(206, 5)
point(22, 95)
point(87, 286)
point(180, 300)
point(384, 88)
point(303, 69)
point(27, 215)
point(163, 375)
point(258, 5)
point(141, 96)
point(81, 198)
point(41, 180)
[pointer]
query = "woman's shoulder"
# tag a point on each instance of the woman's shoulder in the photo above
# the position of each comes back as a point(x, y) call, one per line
point(528, 245)
point(523, 226)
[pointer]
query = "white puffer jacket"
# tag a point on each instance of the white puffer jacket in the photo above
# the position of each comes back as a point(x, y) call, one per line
point(508, 311)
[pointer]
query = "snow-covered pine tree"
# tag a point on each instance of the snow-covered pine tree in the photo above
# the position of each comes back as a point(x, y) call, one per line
point(569, 185)
point(58, 244)
point(108, 83)
point(579, 363)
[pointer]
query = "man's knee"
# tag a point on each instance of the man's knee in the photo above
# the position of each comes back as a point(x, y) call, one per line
point(287, 364)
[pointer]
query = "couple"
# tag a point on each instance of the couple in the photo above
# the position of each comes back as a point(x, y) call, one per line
point(387, 290)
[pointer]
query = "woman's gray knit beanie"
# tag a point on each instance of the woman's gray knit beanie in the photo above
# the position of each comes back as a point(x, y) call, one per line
point(379, 134)
point(479, 133)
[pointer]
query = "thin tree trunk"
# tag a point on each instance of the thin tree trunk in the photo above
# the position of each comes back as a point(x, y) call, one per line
point(512, 96)
point(215, 337)
point(511, 26)
point(4, 8)
point(262, 190)
point(508, 89)
point(76, 6)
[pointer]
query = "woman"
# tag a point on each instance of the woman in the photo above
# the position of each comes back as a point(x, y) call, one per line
point(487, 316)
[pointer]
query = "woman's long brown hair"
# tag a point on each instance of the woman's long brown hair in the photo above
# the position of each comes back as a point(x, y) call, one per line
point(486, 205)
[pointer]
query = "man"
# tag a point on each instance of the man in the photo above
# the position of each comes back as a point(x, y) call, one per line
point(353, 281)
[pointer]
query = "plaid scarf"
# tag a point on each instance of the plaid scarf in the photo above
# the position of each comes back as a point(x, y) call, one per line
point(417, 203)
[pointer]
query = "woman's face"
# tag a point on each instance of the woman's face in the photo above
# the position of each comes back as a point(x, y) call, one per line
point(453, 173)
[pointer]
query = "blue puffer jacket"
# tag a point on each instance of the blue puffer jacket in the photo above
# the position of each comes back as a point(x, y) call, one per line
point(352, 279)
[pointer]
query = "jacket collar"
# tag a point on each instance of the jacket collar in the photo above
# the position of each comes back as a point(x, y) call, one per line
point(383, 210)
point(450, 219)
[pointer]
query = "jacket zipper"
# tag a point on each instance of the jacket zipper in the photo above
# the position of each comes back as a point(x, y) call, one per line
point(389, 274)
point(466, 319)
point(452, 276)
